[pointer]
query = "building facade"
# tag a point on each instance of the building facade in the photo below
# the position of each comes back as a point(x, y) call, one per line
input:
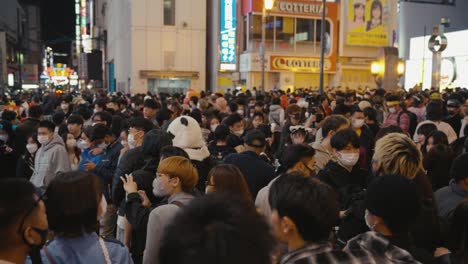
point(157, 45)
point(293, 40)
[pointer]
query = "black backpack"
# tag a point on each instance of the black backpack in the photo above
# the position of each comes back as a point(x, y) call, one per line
point(413, 121)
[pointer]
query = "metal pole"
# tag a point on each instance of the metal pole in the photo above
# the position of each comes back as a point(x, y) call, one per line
point(322, 45)
point(262, 47)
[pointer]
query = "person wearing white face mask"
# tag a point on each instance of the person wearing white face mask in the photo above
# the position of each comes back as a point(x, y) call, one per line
point(51, 157)
point(392, 205)
point(74, 153)
point(176, 178)
point(25, 165)
point(343, 175)
point(92, 138)
point(236, 125)
point(366, 137)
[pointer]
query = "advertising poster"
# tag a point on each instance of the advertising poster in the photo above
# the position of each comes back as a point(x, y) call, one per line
point(228, 35)
point(367, 23)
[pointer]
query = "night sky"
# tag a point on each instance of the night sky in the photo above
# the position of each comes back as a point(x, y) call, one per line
point(58, 25)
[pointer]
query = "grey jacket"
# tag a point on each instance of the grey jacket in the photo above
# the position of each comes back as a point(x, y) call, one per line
point(159, 219)
point(448, 198)
point(51, 158)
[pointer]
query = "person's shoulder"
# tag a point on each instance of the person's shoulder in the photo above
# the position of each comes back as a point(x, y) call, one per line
point(113, 243)
point(442, 192)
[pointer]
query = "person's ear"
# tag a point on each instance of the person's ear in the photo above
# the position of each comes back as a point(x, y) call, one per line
point(30, 236)
point(176, 182)
point(287, 225)
point(330, 133)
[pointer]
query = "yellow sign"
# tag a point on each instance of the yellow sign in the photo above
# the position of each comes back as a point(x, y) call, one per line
point(367, 23)
point(299, 64)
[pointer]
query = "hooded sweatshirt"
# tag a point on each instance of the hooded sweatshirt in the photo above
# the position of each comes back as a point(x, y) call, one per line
point(51, 158)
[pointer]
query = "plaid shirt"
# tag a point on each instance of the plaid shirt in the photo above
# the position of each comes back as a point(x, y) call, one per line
point(323, 253)
point(380, 248)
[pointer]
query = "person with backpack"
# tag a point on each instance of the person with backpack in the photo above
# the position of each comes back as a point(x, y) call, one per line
point(399, 116)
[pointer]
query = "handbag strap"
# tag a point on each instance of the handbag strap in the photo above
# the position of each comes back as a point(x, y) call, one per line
point(47, 255)
point(105, 251)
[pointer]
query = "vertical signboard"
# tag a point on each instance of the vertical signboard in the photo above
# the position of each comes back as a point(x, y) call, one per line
point(228, 26)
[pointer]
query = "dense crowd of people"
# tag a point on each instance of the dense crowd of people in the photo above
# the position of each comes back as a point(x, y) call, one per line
point(366, 176)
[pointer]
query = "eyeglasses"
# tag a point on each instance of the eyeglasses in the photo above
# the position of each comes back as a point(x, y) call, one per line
point(42, 197)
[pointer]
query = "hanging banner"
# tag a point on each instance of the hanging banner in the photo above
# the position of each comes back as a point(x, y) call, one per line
point(228, 25)
point(367, 23)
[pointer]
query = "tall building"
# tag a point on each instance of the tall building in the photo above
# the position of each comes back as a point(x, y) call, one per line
point(157, 45)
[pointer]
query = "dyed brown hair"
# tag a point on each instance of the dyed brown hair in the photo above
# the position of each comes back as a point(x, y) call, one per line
point(228, 178)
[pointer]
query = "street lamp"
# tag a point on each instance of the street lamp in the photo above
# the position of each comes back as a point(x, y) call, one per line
point(400, 68)
point(267, 5)
point(377, 69)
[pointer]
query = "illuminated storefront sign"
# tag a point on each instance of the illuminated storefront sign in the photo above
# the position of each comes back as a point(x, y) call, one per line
point(298, 64)
point(299, 8)
point(228, 35)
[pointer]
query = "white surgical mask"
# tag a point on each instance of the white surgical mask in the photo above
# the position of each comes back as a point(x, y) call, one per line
point(240, 112)
point(213, 127)
point(158, 187)
point(348, 159)
point(4, 138)
point(366, 218)
point(102, 208)
point(64, 106)
point(358, 123)
point(124, 143)
point(103, 146)
point(238, 132)
point(131, 141)
point(43, 139)
point(83, 144)
point(392, 110)
point(32, 148)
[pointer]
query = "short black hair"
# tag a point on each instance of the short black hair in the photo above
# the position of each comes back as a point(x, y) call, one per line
point(332, 123)
point(292, 154)
point(173, 151)
point(141, 123)
point(72, 203)
point(233, 107)
point(35, 111)
point(343, 138)
point(426, 129)
point(150, 103)
point(275, 101)
point(75, 119)
point(9, 115)
point(311, 204)
point(99, 132)
point(153, 142)
point(370, 113)
point(356, 109)
point(101, 103)
point(459, 169)
point(47, 124)
point(434, 111)
point(260, 114)
point(16, 198)
point(58, 117)
point(232, 119)
point(217, 228)
point(395, 199)
point(221, 132)
point(105, 116)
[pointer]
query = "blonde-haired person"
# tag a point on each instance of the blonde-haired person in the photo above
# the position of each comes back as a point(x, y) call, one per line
point(176, 178)
point(396, 153)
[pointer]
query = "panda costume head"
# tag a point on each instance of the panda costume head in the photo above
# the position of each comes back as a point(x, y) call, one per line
point(188, 136)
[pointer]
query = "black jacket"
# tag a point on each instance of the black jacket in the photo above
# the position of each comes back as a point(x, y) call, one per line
point(257, 172)
point(345, 183)
point(366, 149)
point(107, 167)
point(25, 166)
point(129, 162)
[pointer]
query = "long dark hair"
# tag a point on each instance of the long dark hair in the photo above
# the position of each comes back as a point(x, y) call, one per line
point(228, 178)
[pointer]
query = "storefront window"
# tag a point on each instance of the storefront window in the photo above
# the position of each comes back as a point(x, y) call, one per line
point(308, 34)
point(169, 12)
point(168, 85)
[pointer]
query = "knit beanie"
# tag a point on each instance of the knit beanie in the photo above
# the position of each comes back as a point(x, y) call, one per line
point(395, 199)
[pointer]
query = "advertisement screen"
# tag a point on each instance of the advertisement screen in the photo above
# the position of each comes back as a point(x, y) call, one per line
point(367, 23)
point(228, 35)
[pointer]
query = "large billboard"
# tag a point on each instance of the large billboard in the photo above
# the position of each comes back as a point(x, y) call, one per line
point(368, 22)
point(227, 56)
